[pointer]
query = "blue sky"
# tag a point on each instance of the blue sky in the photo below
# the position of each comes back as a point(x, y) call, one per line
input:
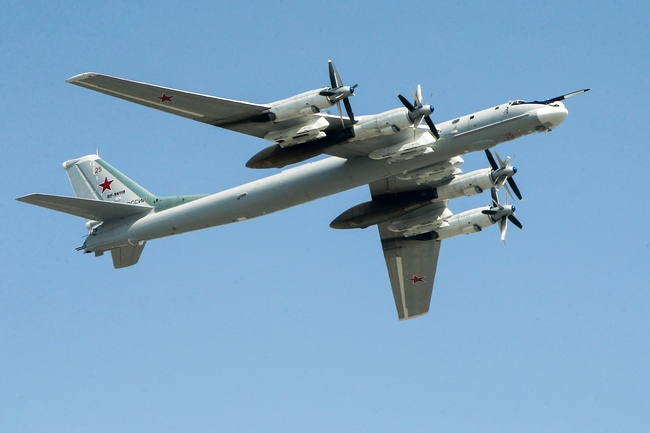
point(281, 323)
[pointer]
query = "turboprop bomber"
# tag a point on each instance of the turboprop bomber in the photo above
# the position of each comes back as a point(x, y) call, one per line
point(411, 165)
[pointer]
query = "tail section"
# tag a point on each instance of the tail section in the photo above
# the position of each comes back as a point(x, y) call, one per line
point(104, 196)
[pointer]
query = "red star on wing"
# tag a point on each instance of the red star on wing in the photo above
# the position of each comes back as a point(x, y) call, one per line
point(165, 98)
point(417, 279)
point(106, 184)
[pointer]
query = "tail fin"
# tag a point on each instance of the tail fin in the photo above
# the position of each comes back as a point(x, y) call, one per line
point(95, 179)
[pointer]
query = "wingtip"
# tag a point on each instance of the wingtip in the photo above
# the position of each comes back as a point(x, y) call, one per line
point(415, 316)
point(80, 77)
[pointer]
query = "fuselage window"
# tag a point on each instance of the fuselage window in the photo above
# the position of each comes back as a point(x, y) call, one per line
point(455, 121)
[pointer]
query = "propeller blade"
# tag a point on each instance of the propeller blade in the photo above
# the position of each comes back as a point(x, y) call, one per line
point(335, 79)
point(515, 189)
point(490, 158)
point(515, 221)
point(495, 197)
point(406, 102)
point(503, 227)
point(489, 212)
point(432, 127)
point(418, 96)
point(501, 164)
point(338, 107)
point(348, 109)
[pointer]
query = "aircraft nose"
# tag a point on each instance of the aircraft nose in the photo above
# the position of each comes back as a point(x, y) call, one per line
point(551, 116)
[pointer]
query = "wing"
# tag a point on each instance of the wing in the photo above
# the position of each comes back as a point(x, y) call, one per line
point(239, 116)
point(195, 106)
point(411, 267)
point(411, 261)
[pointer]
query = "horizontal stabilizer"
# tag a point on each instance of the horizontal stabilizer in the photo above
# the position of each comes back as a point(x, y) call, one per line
point(86, 208)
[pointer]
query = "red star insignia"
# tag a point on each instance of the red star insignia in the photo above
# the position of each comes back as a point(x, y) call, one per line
point(165, 98)
point(417, 279)
point(106, 184)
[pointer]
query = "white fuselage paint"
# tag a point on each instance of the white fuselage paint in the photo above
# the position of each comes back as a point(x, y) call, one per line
point(319, 179)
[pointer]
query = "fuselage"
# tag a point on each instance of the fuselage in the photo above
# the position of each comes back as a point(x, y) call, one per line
point(314, 180)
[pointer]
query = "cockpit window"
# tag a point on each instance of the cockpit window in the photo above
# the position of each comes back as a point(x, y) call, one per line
point(518, 102)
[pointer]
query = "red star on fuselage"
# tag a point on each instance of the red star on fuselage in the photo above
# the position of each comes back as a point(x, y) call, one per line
point(106, 184)
point(165, 98)
point(417, 279)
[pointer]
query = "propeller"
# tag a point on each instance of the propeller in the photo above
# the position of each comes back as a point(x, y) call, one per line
point(418, 112)
point(338, 92)
point(501, 214)
point(503, 172)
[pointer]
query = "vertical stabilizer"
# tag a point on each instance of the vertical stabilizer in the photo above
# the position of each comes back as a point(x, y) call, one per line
point(92, 178)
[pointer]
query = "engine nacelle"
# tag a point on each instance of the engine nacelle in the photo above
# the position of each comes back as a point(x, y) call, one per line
point(405, 151)
point(300, 105)
point(420, 223)
point(435, 172)
point(471, 221)
point(387, 123)
point(445, 225)
point(468, 184)
point(299, 134)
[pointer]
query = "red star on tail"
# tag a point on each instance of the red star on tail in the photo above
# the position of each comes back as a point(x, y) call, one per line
point(417, 279)
point(106, 184)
